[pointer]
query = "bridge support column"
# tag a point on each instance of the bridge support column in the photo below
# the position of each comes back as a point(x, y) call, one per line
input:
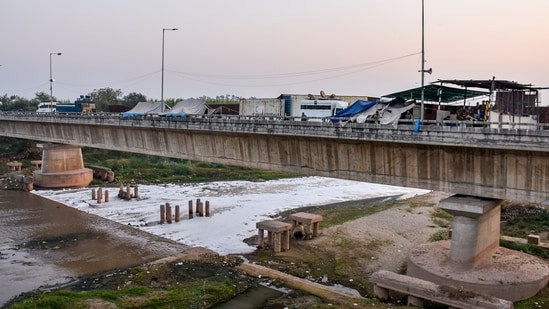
point(475, 228)
point(62, 167)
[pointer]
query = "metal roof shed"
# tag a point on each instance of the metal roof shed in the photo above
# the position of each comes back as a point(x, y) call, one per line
point(438, 93)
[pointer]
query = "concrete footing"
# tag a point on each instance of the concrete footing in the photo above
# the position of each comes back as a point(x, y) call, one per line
point(510, 275)
point(472, 259)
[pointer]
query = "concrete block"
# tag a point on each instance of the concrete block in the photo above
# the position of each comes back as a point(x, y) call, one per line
point(533, 239)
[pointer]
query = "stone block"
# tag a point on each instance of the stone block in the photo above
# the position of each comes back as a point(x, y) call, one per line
point(533, 239)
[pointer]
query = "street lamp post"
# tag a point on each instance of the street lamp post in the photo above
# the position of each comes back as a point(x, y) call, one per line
point(51, 81)
point(162, 82)
point(423, 71)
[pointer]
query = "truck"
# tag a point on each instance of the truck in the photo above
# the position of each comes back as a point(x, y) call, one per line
point(262, 107)
point(320, 109)
point(289, 105)
point(83, 104)
point(46, 107)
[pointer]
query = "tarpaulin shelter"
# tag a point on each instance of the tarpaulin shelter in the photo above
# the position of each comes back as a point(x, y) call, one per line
point(386, 112)
point(358, 107)
point(186, 107)
point(145, 109)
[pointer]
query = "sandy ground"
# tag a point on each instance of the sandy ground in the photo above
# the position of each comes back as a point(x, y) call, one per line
point(347, 254)
point(397, 231)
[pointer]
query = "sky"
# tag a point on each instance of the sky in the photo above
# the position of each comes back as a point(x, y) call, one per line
point(262, 49)
point(236, 206)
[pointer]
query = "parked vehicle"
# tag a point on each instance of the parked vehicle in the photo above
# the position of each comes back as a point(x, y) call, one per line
point(320, 109)
point(83, 104)
point(46, 107)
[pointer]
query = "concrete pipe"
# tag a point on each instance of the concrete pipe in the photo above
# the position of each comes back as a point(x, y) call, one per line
point(299, 232)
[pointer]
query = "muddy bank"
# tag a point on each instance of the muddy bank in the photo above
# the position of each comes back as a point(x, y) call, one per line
point(45, 244)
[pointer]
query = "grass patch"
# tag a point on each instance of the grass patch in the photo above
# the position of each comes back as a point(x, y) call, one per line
point(520, 221)
point(441, 218)
point(340, 215)
point(526, 248)
point(196, 294)
point(417, 204)
point(440, 235)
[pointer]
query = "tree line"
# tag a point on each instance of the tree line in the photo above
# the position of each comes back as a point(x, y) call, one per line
point(103, 98)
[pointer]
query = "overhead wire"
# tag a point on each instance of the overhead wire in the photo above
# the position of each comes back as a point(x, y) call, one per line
point(225, 79)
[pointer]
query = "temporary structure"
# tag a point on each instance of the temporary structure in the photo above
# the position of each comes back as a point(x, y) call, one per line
point(146, 109)
point(187, 107)
point(386, 112)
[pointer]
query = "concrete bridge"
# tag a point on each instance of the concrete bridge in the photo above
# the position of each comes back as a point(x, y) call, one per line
point(498, 163)
point(481, 165)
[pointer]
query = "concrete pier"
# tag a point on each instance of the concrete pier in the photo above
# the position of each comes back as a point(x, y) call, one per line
point(475, 228)
point(62, 167)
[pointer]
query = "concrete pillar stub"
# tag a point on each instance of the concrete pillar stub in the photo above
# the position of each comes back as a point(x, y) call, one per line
point(475, 227)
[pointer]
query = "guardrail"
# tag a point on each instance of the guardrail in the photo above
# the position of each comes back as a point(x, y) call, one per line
point(533, 137)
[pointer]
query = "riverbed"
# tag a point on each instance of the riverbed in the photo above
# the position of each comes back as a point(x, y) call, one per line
point(51, 237)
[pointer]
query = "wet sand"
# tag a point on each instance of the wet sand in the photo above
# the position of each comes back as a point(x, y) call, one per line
point(44, 243)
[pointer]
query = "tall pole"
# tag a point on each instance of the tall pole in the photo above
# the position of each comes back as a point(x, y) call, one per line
point(51, 81)
point(162, 82)
point(422, 59)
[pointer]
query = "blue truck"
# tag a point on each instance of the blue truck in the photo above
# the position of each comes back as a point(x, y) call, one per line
point(83, 104)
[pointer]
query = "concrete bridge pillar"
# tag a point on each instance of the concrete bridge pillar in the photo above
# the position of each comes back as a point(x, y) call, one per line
point(475, 228)
point(62, 167)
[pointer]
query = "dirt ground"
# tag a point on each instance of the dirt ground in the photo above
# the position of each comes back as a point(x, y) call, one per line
point(349, 253)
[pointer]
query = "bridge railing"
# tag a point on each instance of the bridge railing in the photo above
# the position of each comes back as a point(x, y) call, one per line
point(312, 121)
point(466, 133)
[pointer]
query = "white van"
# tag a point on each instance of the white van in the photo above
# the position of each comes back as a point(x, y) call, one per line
point(46, 107)
point(318, 110)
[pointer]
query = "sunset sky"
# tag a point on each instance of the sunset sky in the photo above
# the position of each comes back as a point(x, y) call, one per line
point(252, 48)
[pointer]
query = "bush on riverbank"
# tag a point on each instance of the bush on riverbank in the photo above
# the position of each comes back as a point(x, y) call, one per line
point(140, 168)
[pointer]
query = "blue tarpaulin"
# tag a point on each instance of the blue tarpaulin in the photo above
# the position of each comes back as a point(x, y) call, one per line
point(356, 108)
point(363, 107)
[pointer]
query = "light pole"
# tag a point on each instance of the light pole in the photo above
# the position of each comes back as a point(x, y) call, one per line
point(423, 71)
point(51, 81)
point(162, 82)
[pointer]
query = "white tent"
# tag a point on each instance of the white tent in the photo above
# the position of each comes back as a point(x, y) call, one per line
point(146, 108)
point(186, 107)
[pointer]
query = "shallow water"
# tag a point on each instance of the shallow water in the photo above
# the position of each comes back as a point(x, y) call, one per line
point(252, 298)
point(44, 243)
